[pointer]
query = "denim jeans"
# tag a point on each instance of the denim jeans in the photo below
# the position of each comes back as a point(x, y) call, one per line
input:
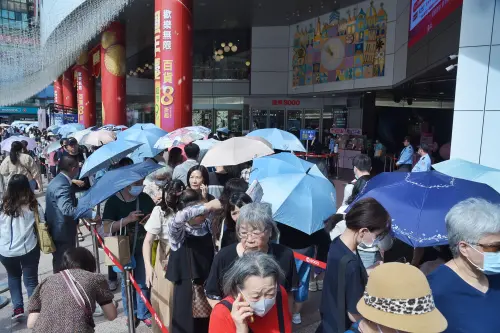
point(25, 266)
point(140, 308)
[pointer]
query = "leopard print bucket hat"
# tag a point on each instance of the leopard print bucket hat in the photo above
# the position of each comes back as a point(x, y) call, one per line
point(398, 296)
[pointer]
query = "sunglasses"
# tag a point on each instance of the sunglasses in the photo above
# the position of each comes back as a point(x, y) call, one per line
point(489, 247)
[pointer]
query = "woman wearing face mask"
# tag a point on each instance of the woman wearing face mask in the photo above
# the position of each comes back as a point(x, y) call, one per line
point(467, 288)
point(127, 208)
point(256, 301)
point(190, 239)
point(197, 178)
point(366, 223)
point(388, 303)
point(255, 229)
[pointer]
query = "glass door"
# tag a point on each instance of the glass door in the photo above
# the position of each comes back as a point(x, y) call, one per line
point(277, 119)
point(259, 119)
point(294, 121)
point(203, 117)
point(312, 121)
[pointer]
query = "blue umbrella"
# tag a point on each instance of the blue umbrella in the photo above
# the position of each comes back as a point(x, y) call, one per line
point(142, 126)
point(107, 155)
point(281, 140)
point(68, 129)
point(112, 182)
point(418, 202)
point(224, 130)
point(53, 128)
point(470, 171)
point(301, 198)
point(280, 164)
point(148, 137)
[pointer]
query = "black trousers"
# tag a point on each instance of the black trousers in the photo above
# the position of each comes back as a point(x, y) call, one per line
point(404, 168)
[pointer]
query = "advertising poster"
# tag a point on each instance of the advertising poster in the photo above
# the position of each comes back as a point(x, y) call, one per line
point(426, 14)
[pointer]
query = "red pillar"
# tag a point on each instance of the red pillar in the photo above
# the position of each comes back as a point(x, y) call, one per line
point(173, 63)
point(68, 90)
point(85, 91)
point(58, 94)
point(113, 75)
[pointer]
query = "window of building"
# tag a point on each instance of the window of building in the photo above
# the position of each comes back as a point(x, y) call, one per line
point(15, 14)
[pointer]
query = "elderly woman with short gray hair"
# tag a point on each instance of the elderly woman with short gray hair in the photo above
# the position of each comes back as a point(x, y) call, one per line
point(255, 302)
point(467, 288)
point(255, 229)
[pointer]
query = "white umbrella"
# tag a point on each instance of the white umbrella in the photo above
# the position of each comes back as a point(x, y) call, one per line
point(98, 138)
point(80, 134)
point(235, 151)
point(53, 147)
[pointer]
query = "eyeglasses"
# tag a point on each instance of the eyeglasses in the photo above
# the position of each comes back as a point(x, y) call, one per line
point(488, 247)
point(246, 234)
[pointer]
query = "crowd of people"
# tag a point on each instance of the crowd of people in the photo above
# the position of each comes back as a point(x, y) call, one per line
point(209, 259)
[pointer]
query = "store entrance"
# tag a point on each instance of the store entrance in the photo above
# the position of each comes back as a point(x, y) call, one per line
point(288, 119)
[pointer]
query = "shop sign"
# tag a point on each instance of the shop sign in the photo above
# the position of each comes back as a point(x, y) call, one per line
point(13, 109)
point(286, 102)
point(348, 131)
point(164, 67)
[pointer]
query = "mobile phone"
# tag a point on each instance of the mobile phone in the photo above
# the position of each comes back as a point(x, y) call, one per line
point(145, 219)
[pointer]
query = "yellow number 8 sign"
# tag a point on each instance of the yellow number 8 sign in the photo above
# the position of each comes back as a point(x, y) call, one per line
point(167, 97)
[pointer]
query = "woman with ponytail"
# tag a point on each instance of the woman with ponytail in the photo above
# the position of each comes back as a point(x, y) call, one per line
point(157, 229)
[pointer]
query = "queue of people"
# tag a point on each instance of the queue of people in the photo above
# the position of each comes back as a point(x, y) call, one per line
point(211, 260)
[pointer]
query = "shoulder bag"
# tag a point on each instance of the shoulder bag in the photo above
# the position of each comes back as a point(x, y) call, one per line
point(201, 307)
point(78, 293)
point(45, 241)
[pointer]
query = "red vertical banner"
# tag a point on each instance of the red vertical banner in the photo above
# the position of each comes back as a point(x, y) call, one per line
point(58, 94)
point(85, 91)
point(68, 91)
point(173, 63)
point(113, 79)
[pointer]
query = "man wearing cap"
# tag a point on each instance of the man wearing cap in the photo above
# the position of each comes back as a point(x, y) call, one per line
point(424, 164)
point(405, 161)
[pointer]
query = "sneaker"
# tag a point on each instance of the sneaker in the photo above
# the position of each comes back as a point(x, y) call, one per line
point(320, 284)
point(313, 286)
point(148, 322)
point(113, 285)
point(18, 313)
point(296, 319)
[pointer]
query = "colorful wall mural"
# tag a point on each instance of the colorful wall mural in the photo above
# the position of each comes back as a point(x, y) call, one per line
point(344, 45)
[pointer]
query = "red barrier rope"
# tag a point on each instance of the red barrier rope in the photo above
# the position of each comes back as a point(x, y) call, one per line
point(154, 315)
point(134, 282)
point(309, 260)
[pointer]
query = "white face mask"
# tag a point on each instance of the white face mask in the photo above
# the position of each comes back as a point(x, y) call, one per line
point(136, 190)
point(375, 242)
point(262, 306)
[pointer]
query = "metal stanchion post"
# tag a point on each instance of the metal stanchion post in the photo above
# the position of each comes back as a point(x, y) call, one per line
point(130, 302)
point(95, 246)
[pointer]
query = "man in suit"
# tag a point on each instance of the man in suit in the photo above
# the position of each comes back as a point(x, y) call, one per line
point(60, 210)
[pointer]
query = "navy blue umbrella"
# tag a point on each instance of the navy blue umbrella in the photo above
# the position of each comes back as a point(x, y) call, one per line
point(113, 182)
point(418, 202)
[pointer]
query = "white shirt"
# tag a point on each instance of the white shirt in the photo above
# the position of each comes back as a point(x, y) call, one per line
point(17, 234)
point(158, 224)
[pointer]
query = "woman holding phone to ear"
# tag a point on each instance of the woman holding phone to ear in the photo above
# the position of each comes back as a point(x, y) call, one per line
point(256, 302)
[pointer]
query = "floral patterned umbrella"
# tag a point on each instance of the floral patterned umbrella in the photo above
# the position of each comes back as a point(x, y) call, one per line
point(182, 136)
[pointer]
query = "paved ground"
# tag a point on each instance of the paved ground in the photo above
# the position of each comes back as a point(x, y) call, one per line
point(310, 315)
